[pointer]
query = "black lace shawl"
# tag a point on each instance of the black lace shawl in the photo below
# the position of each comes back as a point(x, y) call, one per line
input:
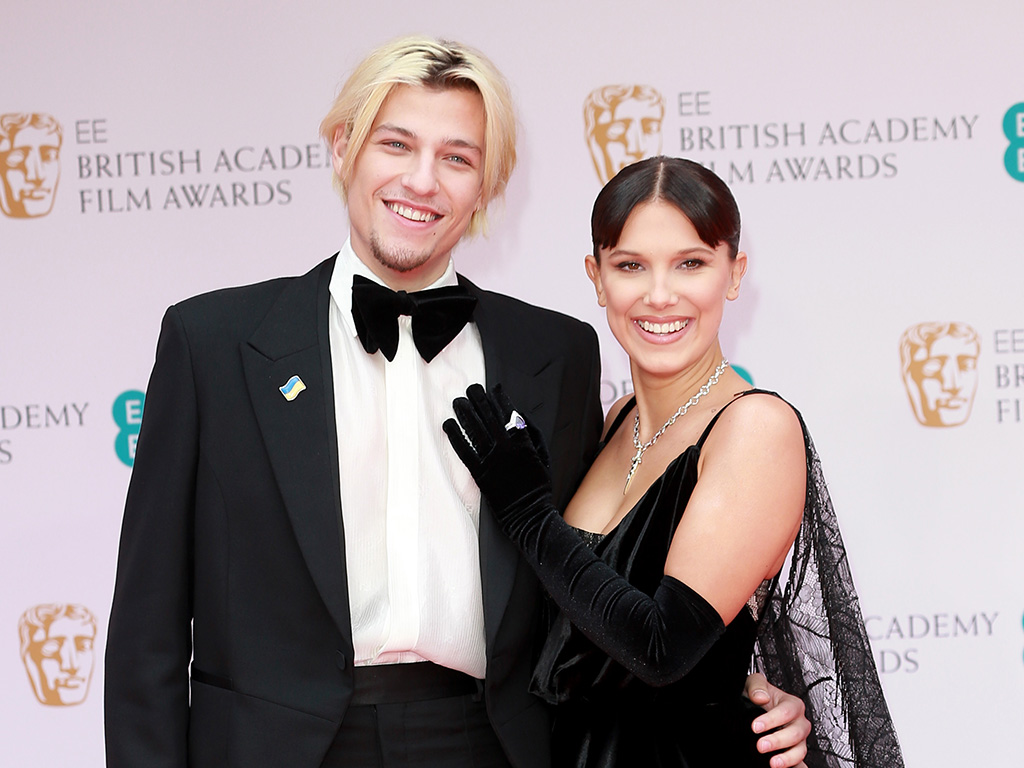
point(812, 643)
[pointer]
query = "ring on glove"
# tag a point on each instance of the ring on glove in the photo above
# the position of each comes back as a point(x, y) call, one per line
point(515, 421)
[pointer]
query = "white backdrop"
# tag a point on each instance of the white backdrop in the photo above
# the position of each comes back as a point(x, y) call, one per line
point(909, 210)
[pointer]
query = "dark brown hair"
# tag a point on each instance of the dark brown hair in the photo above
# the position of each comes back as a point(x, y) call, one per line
point(698, 193)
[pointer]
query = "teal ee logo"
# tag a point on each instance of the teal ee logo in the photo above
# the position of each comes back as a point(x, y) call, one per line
point(127, 412)
point(744, 374)
point(1013, 127)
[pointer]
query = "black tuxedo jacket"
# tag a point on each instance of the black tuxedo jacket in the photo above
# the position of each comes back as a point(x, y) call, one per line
point(232, 552)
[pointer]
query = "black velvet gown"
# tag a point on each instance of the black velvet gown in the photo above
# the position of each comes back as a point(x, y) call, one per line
point(605, 717)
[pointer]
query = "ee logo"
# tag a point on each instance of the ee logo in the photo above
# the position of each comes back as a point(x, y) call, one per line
point(1013, 127)
point(127, 412)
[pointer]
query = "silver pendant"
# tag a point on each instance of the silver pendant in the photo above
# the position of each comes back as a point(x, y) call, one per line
point(633, 465)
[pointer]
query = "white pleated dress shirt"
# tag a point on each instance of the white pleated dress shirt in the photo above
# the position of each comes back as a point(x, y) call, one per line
point(411, 509)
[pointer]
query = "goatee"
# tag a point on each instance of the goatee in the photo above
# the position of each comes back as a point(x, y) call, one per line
point(397, 259)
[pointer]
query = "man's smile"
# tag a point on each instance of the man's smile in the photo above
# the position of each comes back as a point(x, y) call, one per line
point(411, 213)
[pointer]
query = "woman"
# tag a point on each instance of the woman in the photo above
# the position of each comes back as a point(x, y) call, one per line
point(688, 514)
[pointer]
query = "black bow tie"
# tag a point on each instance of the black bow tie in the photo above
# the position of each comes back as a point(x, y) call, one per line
point(437, 316)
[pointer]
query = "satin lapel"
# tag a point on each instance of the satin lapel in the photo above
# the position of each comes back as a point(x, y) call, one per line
point(300, 434)
point(531, 382)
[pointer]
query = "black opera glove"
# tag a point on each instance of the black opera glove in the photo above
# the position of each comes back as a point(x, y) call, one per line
point(658, 638)
point(508, 462)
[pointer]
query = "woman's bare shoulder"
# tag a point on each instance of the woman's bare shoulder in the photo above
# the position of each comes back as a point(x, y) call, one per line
point(757, 420)
point(758, 437)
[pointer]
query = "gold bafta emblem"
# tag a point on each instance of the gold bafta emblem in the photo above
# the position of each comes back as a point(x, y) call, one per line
point(622, 125)
point(29, 163)
point(940, 371)
point(57, 651)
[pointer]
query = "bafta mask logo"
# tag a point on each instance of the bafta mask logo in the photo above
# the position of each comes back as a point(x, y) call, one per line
point(940, 371)
point(29, 164)
point(57, 651)
point(623, 125)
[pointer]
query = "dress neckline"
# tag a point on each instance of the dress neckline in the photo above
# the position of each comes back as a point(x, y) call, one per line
point(619, 418)
point(631, 404)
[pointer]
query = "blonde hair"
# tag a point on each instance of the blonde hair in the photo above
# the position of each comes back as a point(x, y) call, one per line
point(436, 64)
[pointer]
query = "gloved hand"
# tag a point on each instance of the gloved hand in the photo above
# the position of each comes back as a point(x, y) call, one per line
point(658, 638)
point(505, 455)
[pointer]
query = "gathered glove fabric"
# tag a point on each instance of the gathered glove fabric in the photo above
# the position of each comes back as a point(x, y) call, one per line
point(658, 638)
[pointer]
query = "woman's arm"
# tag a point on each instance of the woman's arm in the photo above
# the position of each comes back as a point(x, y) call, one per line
point(747, 505)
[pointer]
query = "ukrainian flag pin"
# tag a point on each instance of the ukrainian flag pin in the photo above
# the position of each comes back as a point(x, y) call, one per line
point(292, 388)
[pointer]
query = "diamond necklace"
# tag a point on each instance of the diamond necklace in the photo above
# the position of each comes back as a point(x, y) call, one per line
point(641, 448)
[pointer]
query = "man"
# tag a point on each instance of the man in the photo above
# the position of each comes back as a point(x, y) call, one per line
point(57, 651)
point(296, 521)
point(29, 164)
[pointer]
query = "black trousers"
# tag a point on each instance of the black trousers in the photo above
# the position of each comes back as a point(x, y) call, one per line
point(449, 731)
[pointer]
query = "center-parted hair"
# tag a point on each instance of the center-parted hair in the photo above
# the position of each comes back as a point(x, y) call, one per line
point(436, 64)
point(698, 193)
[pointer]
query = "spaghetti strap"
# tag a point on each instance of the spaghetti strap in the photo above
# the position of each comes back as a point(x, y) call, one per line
point(707, 430)
point(619, 418)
